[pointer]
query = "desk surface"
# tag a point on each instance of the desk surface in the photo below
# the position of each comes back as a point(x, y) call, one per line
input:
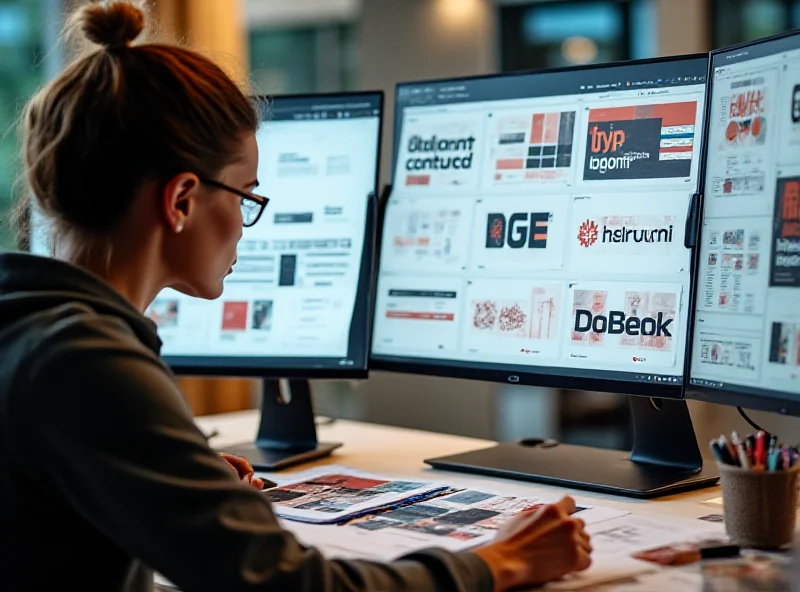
point(400, 452)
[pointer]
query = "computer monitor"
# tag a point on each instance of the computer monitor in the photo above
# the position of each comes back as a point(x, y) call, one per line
point(535, 235)
point(298, 304)
point(746, 334)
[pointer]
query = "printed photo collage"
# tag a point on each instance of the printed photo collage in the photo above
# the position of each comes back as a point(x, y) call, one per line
point(750, 256)
point(245, 318)
point(542, 236)
point(174, 314)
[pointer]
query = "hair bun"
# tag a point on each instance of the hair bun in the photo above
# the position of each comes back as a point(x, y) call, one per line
point(111, 23)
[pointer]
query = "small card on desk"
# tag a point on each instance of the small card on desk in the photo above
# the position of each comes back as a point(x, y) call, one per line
point(690, 552)
point(606, 572)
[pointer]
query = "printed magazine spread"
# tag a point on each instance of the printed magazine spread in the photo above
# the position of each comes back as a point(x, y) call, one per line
point(336, 494)
point(389, 525)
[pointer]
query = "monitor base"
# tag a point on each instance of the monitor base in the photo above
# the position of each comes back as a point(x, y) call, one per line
point(665, 458)
point(264, 458)
point(287, 433)
point(579, 467)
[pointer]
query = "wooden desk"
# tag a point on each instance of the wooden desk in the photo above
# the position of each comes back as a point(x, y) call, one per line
point(400, 452)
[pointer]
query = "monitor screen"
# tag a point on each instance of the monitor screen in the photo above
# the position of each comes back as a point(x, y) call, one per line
point(298, 301)
point(535, 230)
point(746, 335)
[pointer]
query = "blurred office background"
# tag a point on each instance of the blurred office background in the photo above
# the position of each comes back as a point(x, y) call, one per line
point(299, 46)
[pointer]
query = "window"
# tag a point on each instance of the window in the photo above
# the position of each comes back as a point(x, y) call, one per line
point(28, 31)
point(304, 59)
point(574, 32)
point(738, 21)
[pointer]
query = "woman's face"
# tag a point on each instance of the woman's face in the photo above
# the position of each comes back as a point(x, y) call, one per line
point(214, 228)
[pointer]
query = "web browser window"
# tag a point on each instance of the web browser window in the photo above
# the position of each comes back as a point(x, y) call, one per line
point(537, 221)
point(747, 330)
point(292, 298)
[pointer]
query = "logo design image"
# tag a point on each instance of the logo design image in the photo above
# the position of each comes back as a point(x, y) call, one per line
point(533, 315)
point(518, 231)
point(784, 347)
point(609, 141)
point(747, 120)
point(532, 146)
point(645, 323)
point(437, 153)
point(785, 261)
point(640, 142)
point(617, 323)
point(587, 234)
point(615, 146)
point(615, 230)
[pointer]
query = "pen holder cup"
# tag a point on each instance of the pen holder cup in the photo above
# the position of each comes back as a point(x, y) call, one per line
point(760, 506)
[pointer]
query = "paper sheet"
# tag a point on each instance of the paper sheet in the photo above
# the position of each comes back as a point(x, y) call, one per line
point(454, 522)
point(667, 580)
point(632, 533)
point(605, 572)
point(468, 518)
point(465, 519)
point(614, 541)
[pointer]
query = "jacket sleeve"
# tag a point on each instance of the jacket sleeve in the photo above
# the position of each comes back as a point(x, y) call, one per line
point(108, 427)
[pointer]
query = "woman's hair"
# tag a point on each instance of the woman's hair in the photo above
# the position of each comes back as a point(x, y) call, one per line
point(122, 115)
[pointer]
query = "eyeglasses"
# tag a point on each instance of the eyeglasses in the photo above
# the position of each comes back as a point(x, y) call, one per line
point(252, 205)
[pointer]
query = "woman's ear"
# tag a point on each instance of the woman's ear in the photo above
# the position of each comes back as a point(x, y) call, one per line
point(177, 200)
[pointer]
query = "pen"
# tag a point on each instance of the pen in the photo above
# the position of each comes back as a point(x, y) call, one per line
point(716, 451)
point(729, 447)
point(761, 450)
point(719, 551)
point(728, 452)
point(742, 456)
point(787, 461)
point(735, 438)
point(774, 458)
point(773, 441)
point(748, 448)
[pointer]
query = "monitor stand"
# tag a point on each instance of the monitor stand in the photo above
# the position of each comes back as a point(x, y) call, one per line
point(665, 457)
point(287, 434)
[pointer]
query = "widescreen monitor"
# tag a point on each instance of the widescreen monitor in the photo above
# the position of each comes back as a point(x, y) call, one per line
point(298, 302)
point(746, 334)
point(535, 230)
point(539, 232)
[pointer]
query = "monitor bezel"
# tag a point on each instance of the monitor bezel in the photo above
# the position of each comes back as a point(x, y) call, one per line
point(530, 377)
point(208, 367)
point(726, 396)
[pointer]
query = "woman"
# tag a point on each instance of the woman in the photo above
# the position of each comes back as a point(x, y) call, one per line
point(143, 159)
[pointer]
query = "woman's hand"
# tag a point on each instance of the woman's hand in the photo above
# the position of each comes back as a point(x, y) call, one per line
point(243, 469)
point(538, 546)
